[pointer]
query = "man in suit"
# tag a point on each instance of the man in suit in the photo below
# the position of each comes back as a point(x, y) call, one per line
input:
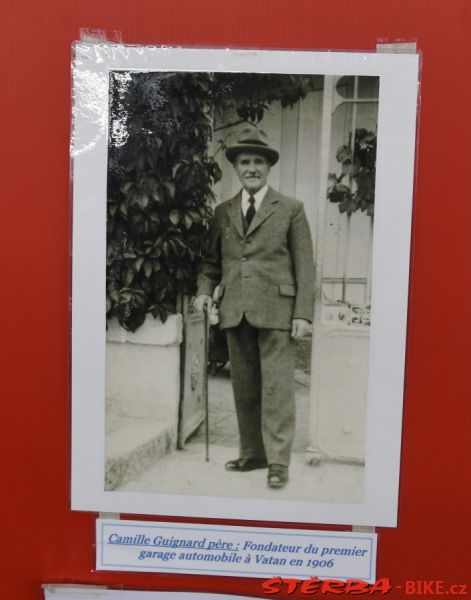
point(261, 257)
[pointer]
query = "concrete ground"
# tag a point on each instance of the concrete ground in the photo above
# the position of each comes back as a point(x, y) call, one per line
point(187, 472)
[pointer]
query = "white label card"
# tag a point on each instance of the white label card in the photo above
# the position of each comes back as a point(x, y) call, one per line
point(239, 551)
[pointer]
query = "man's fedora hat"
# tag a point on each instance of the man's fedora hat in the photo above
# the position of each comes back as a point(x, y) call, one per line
point(254, 140)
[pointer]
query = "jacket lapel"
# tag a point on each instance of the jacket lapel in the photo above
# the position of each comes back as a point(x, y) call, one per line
point(234, 211)
point(267, 207)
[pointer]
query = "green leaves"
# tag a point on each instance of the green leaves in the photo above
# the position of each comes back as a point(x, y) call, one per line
point(126, 187)
point(128, 275)
point(343, 153)
point(138, 264)
point(159, 188)
point(359, 167)
point(188, 221)
point(175, 216)
point(160, 177)
point(141, 200)
point(170, 187)
point(252, 94)
point(148, 268)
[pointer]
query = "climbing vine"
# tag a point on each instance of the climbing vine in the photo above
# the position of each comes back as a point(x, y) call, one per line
point(161, 175)
point(358, 166)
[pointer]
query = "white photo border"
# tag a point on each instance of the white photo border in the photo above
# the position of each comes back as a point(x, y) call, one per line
point(394, 191)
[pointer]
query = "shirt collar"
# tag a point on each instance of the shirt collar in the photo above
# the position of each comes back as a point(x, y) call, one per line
point(259, 196)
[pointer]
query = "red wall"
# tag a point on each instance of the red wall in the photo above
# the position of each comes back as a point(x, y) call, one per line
point(42, 540)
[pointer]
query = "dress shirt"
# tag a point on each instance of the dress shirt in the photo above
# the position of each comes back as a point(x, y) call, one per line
point(259, 196)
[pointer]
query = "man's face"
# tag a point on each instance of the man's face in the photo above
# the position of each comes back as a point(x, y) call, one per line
point(252, 171)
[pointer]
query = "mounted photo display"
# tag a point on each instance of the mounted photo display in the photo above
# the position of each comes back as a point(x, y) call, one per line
point(241, 239)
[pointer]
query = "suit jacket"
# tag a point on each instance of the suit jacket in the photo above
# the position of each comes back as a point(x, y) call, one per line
point(266, 273)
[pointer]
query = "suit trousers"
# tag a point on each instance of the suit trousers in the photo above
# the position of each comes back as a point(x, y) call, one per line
point(262, 372)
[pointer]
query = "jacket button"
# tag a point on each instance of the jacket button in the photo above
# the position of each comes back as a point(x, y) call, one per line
point(244, 259)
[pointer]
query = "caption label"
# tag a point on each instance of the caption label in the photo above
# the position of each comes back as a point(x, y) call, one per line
point(238, 551)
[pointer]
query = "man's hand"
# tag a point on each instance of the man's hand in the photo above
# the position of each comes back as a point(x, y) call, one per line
point(300, 328)
point(202, 301)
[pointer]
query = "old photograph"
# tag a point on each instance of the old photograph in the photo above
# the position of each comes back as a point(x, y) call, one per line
point(241, 234)
point(216, 190)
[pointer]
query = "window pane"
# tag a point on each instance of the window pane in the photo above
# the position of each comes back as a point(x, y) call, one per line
point(368, 87)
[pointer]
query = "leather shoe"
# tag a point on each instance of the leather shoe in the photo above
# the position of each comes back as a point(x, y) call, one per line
point(277, 476)
point(246, 464)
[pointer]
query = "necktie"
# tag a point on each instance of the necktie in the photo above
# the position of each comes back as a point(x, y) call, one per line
point(249, 215)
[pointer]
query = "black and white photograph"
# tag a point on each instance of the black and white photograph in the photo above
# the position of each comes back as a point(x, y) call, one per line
point(254, 268)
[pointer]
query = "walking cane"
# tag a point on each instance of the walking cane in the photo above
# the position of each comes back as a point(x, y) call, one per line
point(205, 386)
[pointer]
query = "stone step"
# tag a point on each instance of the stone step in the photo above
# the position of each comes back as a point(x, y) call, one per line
point(134, 445)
